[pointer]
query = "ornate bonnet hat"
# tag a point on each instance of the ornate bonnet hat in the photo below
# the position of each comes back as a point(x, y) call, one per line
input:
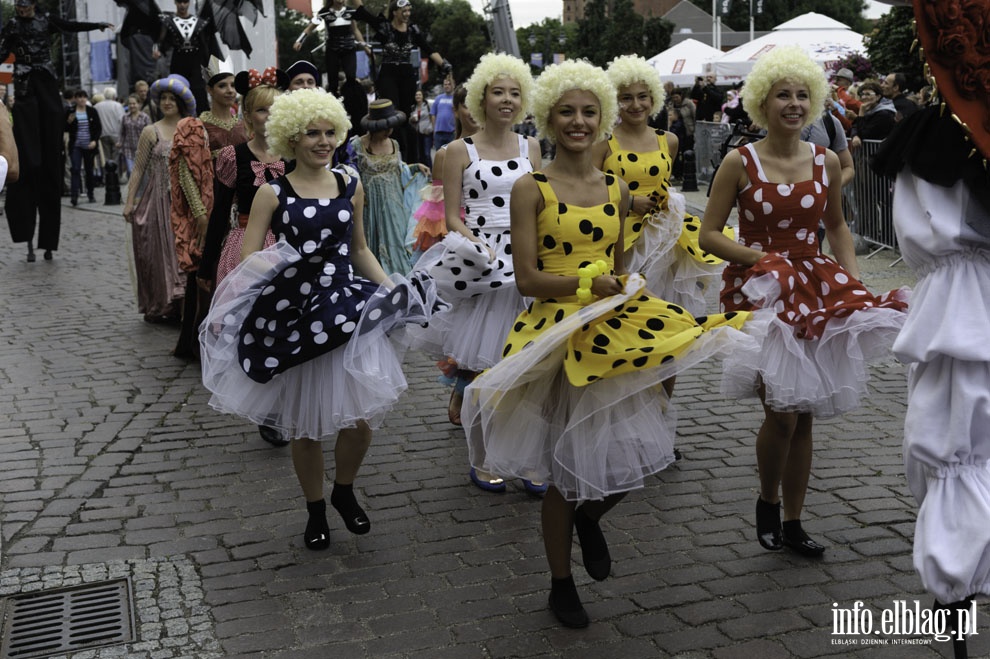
point(954, 40)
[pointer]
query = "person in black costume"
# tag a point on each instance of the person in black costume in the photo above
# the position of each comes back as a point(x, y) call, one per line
point(398, 76)
point(189, 37)
point(342, 41)
point(39, 118)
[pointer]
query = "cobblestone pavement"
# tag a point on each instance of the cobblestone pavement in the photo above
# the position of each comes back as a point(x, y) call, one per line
point(113, 464)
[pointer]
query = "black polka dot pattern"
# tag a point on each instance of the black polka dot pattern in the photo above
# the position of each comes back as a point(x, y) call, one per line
point(643, 332)
point(310, 306)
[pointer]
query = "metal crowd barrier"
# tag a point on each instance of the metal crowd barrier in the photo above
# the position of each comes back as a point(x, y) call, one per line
point(866, 202)
point(870, 211)
point(708, 138)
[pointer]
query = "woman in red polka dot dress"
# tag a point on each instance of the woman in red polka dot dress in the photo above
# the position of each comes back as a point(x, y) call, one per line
point(827, 326)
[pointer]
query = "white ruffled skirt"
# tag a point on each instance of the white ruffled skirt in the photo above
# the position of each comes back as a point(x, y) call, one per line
point(826, 377)
point(671, 271)
point(483, 297)
point(359, 380)
point(523, 418)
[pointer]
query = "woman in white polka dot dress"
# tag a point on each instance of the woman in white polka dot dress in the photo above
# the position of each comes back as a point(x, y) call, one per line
point(296, 339)
point(826, 326)
point(473, 264)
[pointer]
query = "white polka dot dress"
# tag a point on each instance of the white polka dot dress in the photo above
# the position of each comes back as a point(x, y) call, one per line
point(275, 338)
point(482, 291)
point(828, 326)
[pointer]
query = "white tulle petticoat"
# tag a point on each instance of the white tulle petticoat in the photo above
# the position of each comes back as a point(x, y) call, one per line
point(525, 420)
point(826, 377)
point(483, 296)
point(359, 380)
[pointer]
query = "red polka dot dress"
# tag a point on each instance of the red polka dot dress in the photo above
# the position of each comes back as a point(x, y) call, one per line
point(827, 325)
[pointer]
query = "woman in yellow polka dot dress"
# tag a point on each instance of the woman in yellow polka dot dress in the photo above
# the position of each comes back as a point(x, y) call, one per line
point(576, 401)
point(661, 238)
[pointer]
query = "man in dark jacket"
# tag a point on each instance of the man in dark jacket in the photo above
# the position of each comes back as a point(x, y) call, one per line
point(708, 98)
point(894, 87)
point(82, 122)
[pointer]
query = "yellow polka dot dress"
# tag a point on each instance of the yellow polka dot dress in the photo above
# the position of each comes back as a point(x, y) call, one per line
point(576, 400)
point(663, 246)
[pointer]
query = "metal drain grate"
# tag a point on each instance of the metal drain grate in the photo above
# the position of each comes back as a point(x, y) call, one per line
point(62, 620)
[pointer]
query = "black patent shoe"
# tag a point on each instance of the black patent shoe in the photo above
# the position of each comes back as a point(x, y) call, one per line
point(566, 605)
point(795, 539)
point(768, 525)
point(317, 534)
point(48, 255)
point(272, 436)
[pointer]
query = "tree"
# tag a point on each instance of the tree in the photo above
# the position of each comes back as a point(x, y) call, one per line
point(548, 38)
point(656, 35)
point(288, 26)
point(776, 12)
point(591, 32)
point(889, 46)
point(458, 33)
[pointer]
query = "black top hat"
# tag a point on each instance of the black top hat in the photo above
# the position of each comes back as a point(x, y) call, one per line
point(382, 115)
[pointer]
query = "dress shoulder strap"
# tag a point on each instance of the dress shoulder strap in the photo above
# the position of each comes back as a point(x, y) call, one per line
point(818, 168)
point(614, 189)
point(543, 183)
point(751, 161)
point(472, 150)
point(662, 142)
point(523, 147)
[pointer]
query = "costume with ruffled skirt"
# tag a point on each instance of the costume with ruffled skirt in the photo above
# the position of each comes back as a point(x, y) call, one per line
point(827, 327)
point(663, 246)
point(482, 292)
point(941, 214)
point(576, 401)
point(295, 339)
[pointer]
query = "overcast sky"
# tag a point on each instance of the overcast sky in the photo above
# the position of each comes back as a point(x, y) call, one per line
point(526, 12)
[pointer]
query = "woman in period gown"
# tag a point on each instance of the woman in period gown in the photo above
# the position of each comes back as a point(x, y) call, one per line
point(160, 284)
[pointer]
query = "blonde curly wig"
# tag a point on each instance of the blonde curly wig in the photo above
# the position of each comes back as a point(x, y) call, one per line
point(292, 113)
point(492, 67)
point(630, 69)
point(564, 77)
point(784, 63)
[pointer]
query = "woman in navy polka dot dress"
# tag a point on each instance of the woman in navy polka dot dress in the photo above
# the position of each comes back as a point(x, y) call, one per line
point(473, 264)
point(296, 338)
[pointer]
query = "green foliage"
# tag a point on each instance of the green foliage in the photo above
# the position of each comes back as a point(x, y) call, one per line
point(776, 12)
point(889, 46)
point(457, 32)
point(548, 38)
point(288, 25)
point(612, 27)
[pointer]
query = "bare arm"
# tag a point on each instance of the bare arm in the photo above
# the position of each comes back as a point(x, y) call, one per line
point(836, 230)
point(362, 257)
point(8, 148)
point(525, 204)
point(454, 164)
point(305, 33)
point(848, 169)
point(264, 205)
point(730, 178)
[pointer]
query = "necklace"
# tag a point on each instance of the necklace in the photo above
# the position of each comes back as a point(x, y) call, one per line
point(226, 124)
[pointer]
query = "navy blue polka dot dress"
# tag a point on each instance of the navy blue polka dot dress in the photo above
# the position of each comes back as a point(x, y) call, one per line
point(296, 339)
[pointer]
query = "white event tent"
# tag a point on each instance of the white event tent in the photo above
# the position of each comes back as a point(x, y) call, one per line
point(682, 63)
point(824, 39)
